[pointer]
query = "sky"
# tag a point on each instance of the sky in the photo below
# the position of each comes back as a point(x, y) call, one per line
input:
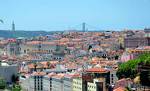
point(51, 15)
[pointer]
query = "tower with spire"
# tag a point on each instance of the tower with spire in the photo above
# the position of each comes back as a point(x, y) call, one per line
point(13, 26)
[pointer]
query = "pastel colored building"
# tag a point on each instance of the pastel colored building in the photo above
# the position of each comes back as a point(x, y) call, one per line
point(98, 84)
point(36, 81)
point(47, 82)
point(113, 77)
point(57, 82)
point(7, 71)
point(78, 84)
point(68, 81)
point(123, 83)
point(25, 83)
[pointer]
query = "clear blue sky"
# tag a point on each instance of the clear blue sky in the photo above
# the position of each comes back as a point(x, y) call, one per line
point(65, 14)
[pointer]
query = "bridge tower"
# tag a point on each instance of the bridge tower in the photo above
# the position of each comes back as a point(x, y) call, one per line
point(13, 26)
point(83, 26)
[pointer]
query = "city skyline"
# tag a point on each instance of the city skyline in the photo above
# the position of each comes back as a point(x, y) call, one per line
point(62, 15)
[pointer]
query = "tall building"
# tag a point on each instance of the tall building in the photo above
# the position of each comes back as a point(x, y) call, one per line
point(68, 81)
point(57, 82)
point(36, 81)
point(47, 82)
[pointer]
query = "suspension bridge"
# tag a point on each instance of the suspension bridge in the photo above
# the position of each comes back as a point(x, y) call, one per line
point(84, 27)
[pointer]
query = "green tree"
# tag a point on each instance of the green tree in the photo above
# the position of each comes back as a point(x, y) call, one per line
point(2, 83)
point(128, 69)
point(16, 88)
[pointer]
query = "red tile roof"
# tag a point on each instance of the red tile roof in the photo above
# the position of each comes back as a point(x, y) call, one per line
point(120, 89)
point(40, 42)
point(98, 70)
point(39, 74)
point(72, 75)
point(51, 75)
point(59, 76)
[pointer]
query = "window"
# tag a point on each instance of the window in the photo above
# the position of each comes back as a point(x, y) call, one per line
point(28, 50)
point(38, 87)
point(40, 46)
point(41, 88)
point(112, 75)
point(24, 51)
point(19, 49)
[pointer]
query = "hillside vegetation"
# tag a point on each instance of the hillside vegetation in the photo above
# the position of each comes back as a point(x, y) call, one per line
point(128, 69)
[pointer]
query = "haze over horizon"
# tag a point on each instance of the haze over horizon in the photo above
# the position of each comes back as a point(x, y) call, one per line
point(66, 14)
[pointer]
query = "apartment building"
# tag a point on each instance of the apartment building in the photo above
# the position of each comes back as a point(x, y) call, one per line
point(36, 81)
point(38, 47)
point(134, 42)
point(25, 83)
point(98, 84)
point(13, 47)
point(47, 82)
point(45, 49)
point(113, 77)
point(57, 82)
point(77, 84)
point(68, 81)
point(7, 71)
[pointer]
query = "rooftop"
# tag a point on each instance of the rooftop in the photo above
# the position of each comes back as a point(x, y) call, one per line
point(97, 70)
point(120, 89)
point(38, 74)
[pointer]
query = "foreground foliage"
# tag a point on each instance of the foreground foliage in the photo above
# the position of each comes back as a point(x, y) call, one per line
point(16, 88)
point(2, 83)
point(128, 69)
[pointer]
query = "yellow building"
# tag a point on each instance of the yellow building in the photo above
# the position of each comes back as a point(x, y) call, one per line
point(77, 84)
point(91, 86)
point(98, 84)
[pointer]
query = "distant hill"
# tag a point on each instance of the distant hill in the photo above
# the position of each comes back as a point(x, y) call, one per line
point(11, 34)
point(29, 34)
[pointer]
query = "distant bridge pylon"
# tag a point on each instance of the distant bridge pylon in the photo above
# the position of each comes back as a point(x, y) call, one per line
point(84, 27)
